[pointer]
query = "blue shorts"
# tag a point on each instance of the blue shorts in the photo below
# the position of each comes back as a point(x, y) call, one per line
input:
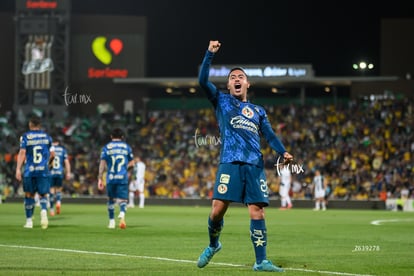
point(241, 182)
point(56, 182)
point(117, 190)
point(39, 184)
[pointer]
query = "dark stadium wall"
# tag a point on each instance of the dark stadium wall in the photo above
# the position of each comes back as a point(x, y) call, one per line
point(7, 62)
point(397, 89)
point(397, 47)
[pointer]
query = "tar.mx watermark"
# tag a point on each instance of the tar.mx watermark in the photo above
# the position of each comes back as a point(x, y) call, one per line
point(205, 140)
point(293, 168)
point(75, 98)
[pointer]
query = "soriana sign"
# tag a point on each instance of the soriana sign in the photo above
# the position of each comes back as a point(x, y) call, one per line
point(107, 56)
point(43, 5)
point(105, 51)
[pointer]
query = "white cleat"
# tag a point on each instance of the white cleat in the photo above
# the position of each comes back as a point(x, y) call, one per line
point(44, 222)
point(29, 224)
point(111, 224)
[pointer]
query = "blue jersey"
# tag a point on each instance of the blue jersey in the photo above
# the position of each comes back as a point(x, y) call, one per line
point(117, 155)
point(58, 165)
point(37, 144)
point(240, 123)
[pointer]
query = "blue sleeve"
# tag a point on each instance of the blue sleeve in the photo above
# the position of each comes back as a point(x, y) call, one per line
point(210, 89)
point(130, 154)
point(23, 141)
point(270, 136)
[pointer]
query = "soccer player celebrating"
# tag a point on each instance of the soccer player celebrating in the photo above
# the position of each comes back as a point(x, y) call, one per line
point(60, 168)
point(35, 150)
point(240, 175)
point(116, 158)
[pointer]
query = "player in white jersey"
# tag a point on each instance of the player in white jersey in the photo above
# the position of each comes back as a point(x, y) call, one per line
point(137, 184)
point(319, 186)
point(284, 188)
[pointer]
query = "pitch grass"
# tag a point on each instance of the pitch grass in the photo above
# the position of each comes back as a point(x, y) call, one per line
point(167, 240)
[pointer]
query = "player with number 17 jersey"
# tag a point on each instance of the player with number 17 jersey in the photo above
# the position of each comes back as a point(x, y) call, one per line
point(117, 155)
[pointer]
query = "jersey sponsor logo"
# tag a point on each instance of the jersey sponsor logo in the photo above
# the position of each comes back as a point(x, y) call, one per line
point(36, 135)
point(116, 145)
point(36, 168)
point(224, 178)
point(115, 176)
point(241, 122)
point(222, 189)
point(247, 112)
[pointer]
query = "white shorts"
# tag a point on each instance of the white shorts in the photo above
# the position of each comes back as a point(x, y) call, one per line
point(284, 190)
point(319, 193)
point(136, 185)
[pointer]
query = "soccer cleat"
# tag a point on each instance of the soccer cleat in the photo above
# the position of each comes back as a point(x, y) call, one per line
point(122, 223)
point(58, 208)
point(207, 254)
point(44, 222)
point(111, 224)
point(130, 206)
point(52, 213)
point(267, 266)
point(121, 215)
point(29, 224)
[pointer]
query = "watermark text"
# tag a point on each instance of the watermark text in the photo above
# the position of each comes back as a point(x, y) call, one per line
point(205, 140)
point(75, 98)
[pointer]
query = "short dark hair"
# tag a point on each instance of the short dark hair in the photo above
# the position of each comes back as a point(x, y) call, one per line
point(35, 120)
point(236, 68)
point(117, 133)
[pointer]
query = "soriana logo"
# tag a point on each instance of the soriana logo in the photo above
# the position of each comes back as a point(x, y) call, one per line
point(106, 51)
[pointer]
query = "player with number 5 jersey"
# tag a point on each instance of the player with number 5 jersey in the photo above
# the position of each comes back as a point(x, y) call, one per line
point(116, 158)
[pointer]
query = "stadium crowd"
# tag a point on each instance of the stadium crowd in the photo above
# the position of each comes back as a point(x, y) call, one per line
point(364, 148)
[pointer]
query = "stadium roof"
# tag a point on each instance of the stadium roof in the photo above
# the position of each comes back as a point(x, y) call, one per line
point(257, 81)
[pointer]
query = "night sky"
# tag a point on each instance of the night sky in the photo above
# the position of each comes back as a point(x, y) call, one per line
point(330, 35)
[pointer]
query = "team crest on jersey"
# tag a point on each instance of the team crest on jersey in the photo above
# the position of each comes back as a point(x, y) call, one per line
point(222, 189)
point(247, 112)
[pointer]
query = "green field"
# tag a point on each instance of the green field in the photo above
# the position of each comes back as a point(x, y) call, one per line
point(167, 240)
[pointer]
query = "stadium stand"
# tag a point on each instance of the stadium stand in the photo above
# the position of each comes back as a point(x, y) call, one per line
point(364, 148)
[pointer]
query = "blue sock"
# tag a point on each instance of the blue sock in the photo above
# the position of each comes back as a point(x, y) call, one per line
point(43, 202)
point(58, 196)
point(214, 230)
point(259, 239)
point(29, 204)
point(122, 206)
point(111, 208)
point(52, 200)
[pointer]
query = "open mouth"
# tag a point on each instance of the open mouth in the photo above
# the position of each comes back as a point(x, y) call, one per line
point(237, 87)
